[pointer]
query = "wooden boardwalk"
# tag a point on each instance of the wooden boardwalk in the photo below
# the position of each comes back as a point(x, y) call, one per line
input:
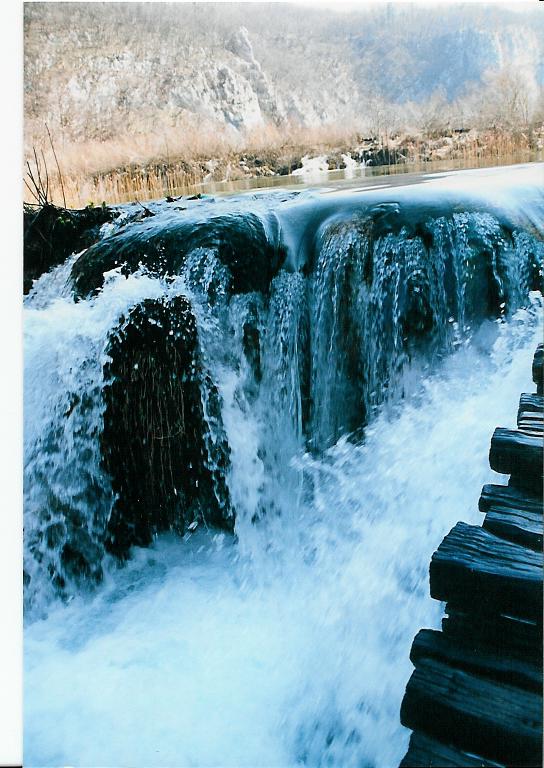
point(475, 697)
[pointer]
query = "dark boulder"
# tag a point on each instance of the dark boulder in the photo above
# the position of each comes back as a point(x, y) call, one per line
point(166, 469)
point(52, 233)
point(162, 247)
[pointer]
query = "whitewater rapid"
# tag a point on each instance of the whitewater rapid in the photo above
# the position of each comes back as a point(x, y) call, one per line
point(288, 643)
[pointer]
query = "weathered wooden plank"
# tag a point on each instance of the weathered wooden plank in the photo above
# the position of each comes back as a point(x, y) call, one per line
point(514, 453)
point(495, 720)
point(426, 752)
point(529, 484)
point(507, 635)
point(531, 423)
point(531, 402)
point(523, 528)
point(430, 644)
point(531, 428)
point(531, 420)
point(473, 565)
point(538, 369)
point(508, 496)
point(533, 416)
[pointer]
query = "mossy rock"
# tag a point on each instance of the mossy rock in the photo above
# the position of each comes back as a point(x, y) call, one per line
point(239, 240)
point(52, 233)
point(164, 470)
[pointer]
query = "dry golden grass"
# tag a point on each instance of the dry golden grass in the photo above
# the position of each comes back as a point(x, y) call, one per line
point(177, 160)
point(155, 164)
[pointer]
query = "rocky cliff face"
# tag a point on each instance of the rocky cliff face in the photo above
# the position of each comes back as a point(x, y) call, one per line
point(94, 70)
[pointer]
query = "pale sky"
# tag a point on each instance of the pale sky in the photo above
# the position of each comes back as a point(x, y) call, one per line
point(519, 6)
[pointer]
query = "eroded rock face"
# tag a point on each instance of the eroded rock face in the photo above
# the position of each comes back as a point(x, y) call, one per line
point(321, 66)
point(160, 407)
point(239, 102)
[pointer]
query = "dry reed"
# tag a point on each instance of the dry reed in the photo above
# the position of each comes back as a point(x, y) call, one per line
point(175, 161)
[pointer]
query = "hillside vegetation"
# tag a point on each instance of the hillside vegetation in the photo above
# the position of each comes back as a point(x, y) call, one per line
point(125, 85)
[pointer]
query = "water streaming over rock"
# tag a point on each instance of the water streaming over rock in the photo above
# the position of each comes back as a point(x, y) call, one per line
point(320, 371)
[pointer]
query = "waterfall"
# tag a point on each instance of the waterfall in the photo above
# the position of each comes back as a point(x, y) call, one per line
point(247, 426)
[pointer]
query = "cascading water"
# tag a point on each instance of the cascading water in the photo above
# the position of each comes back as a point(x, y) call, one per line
point(353, 354)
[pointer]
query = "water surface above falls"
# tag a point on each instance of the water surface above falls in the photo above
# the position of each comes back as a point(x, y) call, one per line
point(292, 218)
point(243, 443)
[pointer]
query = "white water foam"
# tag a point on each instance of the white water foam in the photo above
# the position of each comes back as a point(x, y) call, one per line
point(290, 647)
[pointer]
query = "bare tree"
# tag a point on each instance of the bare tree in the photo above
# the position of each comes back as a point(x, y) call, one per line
point(505, 101)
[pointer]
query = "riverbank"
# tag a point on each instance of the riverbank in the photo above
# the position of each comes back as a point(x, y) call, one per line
point(150, 167)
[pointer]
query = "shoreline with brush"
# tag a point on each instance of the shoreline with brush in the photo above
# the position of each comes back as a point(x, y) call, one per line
point(151, 174)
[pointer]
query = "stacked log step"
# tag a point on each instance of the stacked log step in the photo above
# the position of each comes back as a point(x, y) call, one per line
point(475, 697)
